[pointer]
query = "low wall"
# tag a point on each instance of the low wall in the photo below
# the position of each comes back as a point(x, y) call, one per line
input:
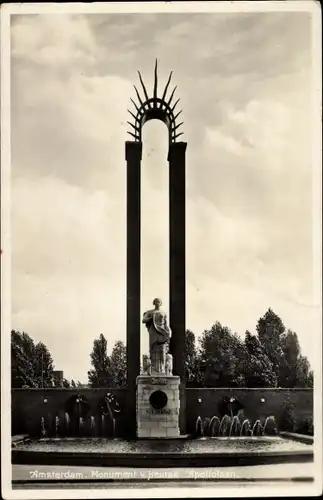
point(256, 403)
point(28, 405)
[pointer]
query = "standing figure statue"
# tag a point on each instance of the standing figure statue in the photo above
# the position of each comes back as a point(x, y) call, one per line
point(159, 336)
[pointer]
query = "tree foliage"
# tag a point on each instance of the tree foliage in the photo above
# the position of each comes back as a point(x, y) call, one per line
point(270, 358)
point(99, 376)
point(108, 371)
point(118, 365)
point(271, 330)
point(31, 363)
point(221, 358)
point(191, 360)
point(258, 369)
point(283, 350)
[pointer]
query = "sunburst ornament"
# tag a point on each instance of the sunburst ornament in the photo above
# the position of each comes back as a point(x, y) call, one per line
point(149, 108)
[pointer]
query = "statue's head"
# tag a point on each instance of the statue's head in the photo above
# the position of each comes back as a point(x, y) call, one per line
point(157, 302)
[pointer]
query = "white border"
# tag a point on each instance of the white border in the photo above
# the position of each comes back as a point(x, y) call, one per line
point(236, 490)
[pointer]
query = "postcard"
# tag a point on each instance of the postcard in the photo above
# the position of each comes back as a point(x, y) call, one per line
point(161, 249)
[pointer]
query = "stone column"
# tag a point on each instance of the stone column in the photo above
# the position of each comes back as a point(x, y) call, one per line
point(133, 158)
point(177, 265)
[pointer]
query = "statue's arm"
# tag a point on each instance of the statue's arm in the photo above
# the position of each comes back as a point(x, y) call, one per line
point(147, 317)
point(167, 327)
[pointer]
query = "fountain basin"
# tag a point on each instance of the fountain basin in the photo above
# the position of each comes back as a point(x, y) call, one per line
point(203, 452)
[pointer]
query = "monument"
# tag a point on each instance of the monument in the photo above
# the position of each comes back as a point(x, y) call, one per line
point(158, 401)
point(159, 337)
point(159, 108)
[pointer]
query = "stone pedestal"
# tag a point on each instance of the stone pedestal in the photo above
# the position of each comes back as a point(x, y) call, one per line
point(158, 405)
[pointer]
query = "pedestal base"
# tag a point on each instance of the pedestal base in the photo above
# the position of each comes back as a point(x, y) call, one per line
point(158, 405)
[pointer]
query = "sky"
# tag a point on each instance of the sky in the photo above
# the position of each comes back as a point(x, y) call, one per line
point(245, 86)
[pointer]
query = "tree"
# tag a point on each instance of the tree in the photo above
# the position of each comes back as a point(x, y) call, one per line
point(304, 376)
point(31, 364)
point(271, 329)
point(288, 365)
point(43, 363)
point(287, 419)
point(118, 365)
point(221, 357)
point(100, 375)
point(22, 357)
point(258, 369)
point(295, 368)
point(191, 360)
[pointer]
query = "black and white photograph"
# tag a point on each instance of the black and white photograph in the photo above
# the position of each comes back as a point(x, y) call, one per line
point(161, 249)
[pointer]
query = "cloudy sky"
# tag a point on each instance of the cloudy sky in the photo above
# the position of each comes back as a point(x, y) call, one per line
point(244, 80)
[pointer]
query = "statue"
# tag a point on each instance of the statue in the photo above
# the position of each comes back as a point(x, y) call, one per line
point(159, 336)
point(146, 365)
point(169, 364)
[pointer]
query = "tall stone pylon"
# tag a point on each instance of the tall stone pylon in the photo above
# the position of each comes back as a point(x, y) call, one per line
point(163, 108)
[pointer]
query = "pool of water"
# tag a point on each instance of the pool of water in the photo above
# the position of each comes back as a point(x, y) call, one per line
point(225, 445)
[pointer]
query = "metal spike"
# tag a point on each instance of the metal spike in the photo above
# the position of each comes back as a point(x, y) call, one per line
point(132, 114)
point(175, 104)
point(143, 86)
point(172, 95)
point(139, 98)
point(133, 135)
point(134, 126)
point(135, 105)
point(177, 126)
point(178, 114)
point(155, 84)
point(167, 85)
point(177, 135)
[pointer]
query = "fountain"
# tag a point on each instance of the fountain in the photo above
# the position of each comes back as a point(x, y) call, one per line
point(270, 426)
point(78, 415)
point(92, 426)
point(245, 428)
point(235, 427)
point(257, 429)
point(103, 425)
point(106, 409)
point(225, 426)
point(57, 426)
point(81, 426)
point(156, 401)
point(206, 426)
point(66, 423)
point(42, 427)
point(78, 421)
point(214, 426)
point(199, 427)
point(216, 442)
